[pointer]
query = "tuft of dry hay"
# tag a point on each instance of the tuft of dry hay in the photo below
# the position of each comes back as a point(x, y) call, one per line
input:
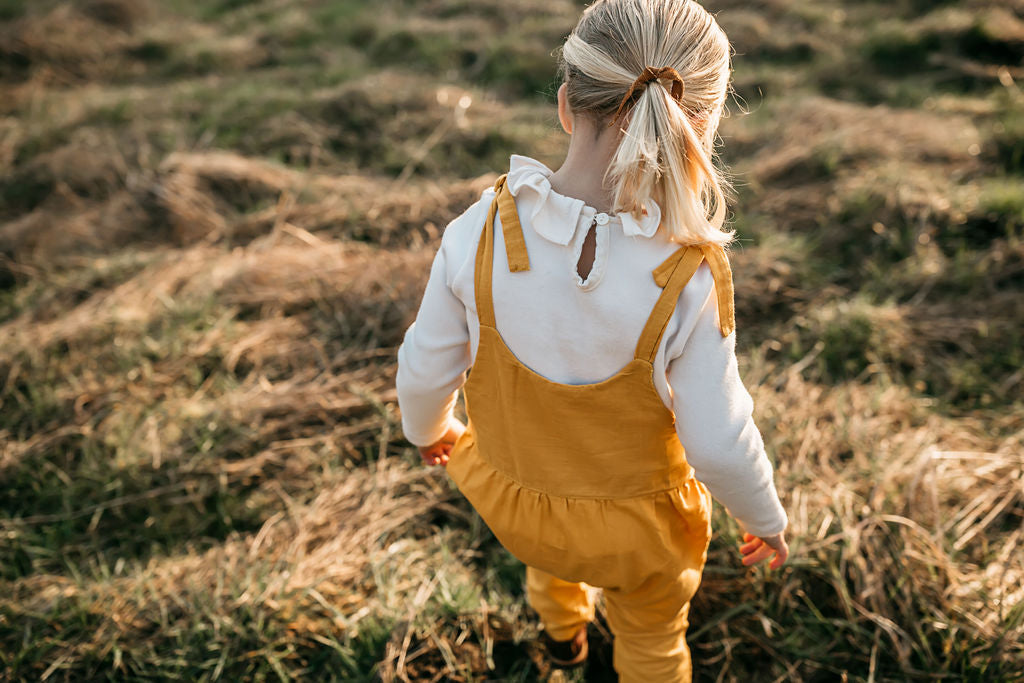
point(63, 46)
point(122, 14)
point(905, 506)
point(304, 569)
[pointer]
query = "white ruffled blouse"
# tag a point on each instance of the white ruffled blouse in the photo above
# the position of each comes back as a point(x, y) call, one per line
point(578, 330)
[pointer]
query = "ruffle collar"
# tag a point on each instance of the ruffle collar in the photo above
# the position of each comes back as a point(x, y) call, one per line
point(555, 216)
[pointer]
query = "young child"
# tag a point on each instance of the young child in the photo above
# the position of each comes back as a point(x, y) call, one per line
point(594, 307)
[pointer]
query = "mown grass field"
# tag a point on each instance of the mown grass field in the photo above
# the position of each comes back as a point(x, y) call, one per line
point(216, 219)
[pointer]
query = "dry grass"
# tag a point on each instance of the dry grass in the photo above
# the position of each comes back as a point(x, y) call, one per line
point(215, 224)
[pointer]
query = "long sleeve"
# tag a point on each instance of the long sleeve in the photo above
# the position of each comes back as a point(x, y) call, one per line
point(716, 427)
point(434, 357)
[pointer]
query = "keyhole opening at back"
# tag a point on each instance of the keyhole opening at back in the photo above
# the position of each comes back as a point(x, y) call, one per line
point(587, 254)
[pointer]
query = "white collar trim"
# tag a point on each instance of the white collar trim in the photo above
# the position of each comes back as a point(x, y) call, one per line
point(555, 216)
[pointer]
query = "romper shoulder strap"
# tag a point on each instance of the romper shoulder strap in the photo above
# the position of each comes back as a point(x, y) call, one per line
point(672, 275)
point(722, 273)
point(503, 205)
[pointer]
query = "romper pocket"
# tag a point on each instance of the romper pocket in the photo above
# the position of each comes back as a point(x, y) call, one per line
point(692, 503)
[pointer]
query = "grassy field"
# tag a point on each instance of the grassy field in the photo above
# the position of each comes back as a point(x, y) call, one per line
point(216, 219)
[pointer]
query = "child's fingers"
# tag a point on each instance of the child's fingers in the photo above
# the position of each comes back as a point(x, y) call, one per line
point(435, 456)
point(757, 549)
point(748, 548)
point(762, 553)
point(781, 554)
point(780, 558)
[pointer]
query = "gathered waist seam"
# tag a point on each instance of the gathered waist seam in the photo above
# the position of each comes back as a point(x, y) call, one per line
point(550, 494)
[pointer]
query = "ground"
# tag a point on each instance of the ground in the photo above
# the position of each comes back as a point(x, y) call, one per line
point(216, 220)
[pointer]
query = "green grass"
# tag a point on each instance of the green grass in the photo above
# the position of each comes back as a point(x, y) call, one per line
point(99, 489)
point(45, 296)
point(12, 9)
point(1006, 133)
point(1000, 212)
point(896, 49)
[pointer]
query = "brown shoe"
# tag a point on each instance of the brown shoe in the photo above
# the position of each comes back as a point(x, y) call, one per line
point(567, 653)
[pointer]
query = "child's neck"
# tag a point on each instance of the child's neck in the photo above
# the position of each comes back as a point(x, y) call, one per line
point(581, 175)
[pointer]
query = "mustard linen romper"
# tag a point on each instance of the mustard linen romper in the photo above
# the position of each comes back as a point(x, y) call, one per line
point(588, 484)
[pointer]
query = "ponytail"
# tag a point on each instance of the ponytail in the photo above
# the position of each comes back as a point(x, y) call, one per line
point(667, 144)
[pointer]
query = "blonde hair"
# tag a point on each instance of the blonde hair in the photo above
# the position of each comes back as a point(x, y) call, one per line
point(667, 146)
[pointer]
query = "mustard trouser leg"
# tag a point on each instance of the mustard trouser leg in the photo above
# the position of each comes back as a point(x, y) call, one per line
point(649, 624)
point(563, 607)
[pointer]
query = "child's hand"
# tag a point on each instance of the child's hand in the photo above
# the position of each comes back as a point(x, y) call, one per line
point(759, 548)
point(437, 453)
